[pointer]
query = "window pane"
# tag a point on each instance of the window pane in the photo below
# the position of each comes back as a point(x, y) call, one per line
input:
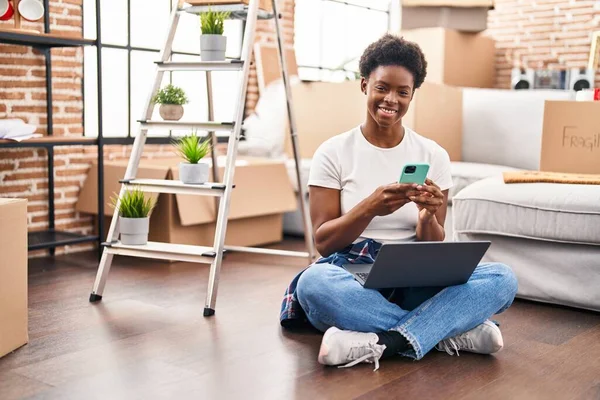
point(143, 72)
point(89, 19)
point(233, 29)
point(332, 35)
point(194, 85)
point(225, 91)
point(114, 92)
point(90, 92)
point(149, 23)
point(187, 37)
point(307, 21)
point(335, 46)
point(114, 21)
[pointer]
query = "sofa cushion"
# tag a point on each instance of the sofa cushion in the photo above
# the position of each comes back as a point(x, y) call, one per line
point(465, 173)
point(544, 211)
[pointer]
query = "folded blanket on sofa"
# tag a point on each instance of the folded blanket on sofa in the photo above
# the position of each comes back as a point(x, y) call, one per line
point(550, 177)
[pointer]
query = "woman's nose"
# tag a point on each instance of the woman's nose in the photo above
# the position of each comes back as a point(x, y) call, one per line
point(390, 97)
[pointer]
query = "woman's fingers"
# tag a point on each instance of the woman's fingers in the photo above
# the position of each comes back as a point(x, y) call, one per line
point(433, 190)
point(425, 200)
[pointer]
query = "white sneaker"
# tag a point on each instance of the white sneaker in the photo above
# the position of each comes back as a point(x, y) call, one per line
point(483, 339)
point(339, 347)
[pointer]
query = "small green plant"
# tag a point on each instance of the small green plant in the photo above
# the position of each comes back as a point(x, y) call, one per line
point(133, 204)
point(211, 22)
point(170, 95)
point(192, 148)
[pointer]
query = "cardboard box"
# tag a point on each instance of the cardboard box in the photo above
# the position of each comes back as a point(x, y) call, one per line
point(265, 5)
point(13, 275)
point(323, 110)
point(571, 137)
point(436, 113)
point(455, 58)
point(461, 15)
point(262, 193)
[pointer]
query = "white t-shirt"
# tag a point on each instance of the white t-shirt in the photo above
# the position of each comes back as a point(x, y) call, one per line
point(349, 163)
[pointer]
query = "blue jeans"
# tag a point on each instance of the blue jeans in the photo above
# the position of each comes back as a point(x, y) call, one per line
point(424, 316)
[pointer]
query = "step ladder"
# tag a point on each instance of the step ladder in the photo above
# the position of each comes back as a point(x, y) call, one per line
point(221, 191)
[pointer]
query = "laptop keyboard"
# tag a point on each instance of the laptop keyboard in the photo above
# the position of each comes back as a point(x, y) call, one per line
point(362, 275)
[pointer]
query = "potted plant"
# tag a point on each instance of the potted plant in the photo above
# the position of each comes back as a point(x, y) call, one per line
point(193, 149)
point(134, 216)
point(212, 41)
point(171, 99)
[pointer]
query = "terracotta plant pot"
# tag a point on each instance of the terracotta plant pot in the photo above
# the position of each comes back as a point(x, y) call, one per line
point(171, 112)
point(134, 231)
point(195, 174)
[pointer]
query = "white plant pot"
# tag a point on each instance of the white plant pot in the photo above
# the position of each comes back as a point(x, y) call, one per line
point(194, 174)
point(134, 231)
point(171, 112)
point(212, 47)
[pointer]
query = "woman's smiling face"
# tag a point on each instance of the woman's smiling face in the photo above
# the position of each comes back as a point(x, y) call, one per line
point(389, 91)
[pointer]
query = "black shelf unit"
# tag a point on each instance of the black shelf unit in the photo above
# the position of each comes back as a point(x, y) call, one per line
point(51, 238)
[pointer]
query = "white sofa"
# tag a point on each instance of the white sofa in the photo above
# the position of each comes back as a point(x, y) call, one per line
point(548, 233)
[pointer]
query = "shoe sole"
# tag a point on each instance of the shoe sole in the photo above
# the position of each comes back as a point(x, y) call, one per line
point(324, 349)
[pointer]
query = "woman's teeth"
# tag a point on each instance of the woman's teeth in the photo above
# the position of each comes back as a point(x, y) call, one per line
point(387, 110)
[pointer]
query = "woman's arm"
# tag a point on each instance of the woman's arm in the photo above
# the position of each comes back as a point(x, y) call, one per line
point(431, 226)
point(333, 231)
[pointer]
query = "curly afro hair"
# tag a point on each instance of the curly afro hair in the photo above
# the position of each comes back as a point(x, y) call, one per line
point(394, 50)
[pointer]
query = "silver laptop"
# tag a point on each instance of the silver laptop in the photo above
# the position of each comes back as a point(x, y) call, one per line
point(420, 264)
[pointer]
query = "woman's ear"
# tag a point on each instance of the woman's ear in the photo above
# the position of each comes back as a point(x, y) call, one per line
point(363, 85)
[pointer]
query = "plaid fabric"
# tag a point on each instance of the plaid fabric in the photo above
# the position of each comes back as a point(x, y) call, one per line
point(292, 315)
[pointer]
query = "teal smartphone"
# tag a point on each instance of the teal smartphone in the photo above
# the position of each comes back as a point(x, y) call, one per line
point(414, 173)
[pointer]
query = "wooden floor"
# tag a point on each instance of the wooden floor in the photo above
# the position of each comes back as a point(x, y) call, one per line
point(148, 339)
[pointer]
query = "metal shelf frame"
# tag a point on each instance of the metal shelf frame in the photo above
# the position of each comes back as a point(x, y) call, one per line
point(51, 238)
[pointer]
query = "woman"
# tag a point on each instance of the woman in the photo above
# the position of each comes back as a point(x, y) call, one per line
point(355, 206)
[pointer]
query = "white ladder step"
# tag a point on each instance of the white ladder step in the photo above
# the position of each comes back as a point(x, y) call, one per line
point(204, 126)
point(233, 65)
point(238, 11)
point(164, 251)
point(176, 187)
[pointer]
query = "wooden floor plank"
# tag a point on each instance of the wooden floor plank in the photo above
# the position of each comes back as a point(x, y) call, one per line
point(148, 339)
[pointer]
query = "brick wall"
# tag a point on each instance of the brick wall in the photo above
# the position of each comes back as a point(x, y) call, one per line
point(542, 33)
point(23, 172)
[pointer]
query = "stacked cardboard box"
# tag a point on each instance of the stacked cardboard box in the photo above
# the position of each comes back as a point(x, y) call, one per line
point(450, 34)
point(13, 274)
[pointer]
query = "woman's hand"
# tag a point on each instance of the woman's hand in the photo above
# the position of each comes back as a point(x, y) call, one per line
point(389, 198)
point(429, 199)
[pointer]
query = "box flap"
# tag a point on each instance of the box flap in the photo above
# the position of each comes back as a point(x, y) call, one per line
point(262, 187)
point(268, 67)
point(114, 171)
point(448, 3)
